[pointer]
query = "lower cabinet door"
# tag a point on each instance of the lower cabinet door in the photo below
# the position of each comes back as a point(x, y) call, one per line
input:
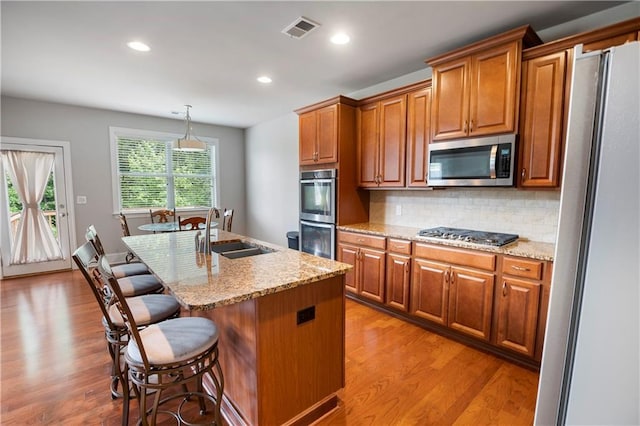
point(429, 292)
point(372, 265)
point(518, 315)
point(397, 281)
point(471, 302)
point(349, 254)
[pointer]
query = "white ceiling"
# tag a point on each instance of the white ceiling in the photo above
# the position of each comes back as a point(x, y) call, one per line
point(208, 54)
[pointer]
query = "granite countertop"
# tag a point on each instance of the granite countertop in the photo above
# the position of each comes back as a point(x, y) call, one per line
point(522, 247)
point(201, 281)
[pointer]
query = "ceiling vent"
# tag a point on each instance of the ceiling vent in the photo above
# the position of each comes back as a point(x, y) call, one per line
point(300, 27)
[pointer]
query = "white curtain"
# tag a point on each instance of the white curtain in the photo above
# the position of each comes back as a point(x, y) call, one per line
point(34, 240)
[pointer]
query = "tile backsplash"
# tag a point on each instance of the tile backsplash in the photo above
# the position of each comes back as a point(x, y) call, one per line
point(530, 214)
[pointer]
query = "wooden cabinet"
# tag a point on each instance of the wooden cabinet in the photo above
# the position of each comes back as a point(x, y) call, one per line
point(367, 255)
point(418, 135)
point(542, 115)
point(323, 128)
point(476, 95)
point(319, 136)
point(545, 99)
point(454, 287)
point(476, 88)
point(518, 304)
point(398, 274)
point(382, 143)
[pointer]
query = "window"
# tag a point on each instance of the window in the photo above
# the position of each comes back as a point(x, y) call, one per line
point(148, 173)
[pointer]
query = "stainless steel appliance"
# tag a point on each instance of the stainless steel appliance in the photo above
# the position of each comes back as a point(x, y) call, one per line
point(318, 212)
point(591, 360)
point(318, 195)
point(318, 238)
point(470, 236)
point(487, 161)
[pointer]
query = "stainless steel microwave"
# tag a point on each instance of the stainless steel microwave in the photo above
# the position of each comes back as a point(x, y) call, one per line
point(487, 161)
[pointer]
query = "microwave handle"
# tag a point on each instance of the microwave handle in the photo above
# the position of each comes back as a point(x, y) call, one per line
point(492, 161)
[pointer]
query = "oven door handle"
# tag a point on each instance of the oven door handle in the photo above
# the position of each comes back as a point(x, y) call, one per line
point(317, 224)
point(317, 181)
point(492, 161)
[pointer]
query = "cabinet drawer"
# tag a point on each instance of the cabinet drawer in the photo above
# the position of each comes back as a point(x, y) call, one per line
point(526, 268)
point(474, 259)
point(362, 239)
point(399, 246)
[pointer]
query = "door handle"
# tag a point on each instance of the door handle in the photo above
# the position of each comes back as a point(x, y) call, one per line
point(63, 215)
point(504, 288)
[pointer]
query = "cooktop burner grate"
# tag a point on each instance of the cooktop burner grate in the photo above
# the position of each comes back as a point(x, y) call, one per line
point(468, 235)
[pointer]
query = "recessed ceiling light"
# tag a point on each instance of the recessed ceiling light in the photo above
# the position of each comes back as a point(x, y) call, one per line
point(139, 46)
point(340, 38)
point(264, 79)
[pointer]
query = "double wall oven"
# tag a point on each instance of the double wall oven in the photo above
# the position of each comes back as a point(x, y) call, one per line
point(318, 212)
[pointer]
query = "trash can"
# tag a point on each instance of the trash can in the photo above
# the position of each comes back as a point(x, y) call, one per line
point(293, 236)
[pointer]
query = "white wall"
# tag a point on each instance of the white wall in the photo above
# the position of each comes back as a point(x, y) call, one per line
point(272, 179)
point(87, 130)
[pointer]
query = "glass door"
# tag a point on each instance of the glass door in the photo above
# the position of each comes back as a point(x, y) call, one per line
point(33, 206)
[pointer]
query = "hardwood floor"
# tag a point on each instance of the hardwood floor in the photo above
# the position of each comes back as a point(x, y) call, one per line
point(55, 367)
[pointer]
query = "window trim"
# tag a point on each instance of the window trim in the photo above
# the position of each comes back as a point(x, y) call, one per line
point(115, 132)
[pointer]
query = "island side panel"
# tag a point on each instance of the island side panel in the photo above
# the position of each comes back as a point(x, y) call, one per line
point(237, 353)
point(300, 365)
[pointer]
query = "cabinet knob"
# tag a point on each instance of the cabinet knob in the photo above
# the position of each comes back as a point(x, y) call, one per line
point(446, 276)
point(471, 126)
point(464, 127)
point(504, 288)
point(524, 173)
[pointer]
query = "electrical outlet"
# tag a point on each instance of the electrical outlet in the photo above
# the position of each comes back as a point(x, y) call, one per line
point(399, 210)
point(81, 199)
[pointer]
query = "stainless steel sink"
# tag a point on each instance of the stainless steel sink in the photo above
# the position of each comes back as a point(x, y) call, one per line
point(238, 249)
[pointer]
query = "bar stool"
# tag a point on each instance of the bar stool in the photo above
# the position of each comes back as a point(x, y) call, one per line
point(175, 352)
point(147, 309)
point(119, 270)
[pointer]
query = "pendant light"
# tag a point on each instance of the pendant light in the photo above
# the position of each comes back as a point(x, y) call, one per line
point(189, 142)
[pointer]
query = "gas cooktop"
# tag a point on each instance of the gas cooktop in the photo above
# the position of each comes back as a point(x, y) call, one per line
point(467, 235)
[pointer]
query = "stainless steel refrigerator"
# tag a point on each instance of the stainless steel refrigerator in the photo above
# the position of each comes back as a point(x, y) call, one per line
point(590, 372)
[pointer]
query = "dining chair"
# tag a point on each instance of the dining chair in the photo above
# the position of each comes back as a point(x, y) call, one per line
point(227, 219)
point(175, 352)
point(162, 215)
point(147, 309)
point(191, 223)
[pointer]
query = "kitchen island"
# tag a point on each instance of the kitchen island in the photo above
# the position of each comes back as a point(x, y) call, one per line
point(281, 320)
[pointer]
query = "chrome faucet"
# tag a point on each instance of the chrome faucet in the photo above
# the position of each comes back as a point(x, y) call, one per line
point(203, 245)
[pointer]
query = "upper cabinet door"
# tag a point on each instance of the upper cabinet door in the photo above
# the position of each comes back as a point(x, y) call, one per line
point(541, 129)
point(392, 140)
point(418, 136)
point(493, 90)
point(327, 134)
point(450, 109)
point(307, 126)
point(318, 139)
point(368, 145)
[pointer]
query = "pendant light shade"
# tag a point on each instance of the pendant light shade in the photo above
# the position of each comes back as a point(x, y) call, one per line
point(189, 142)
